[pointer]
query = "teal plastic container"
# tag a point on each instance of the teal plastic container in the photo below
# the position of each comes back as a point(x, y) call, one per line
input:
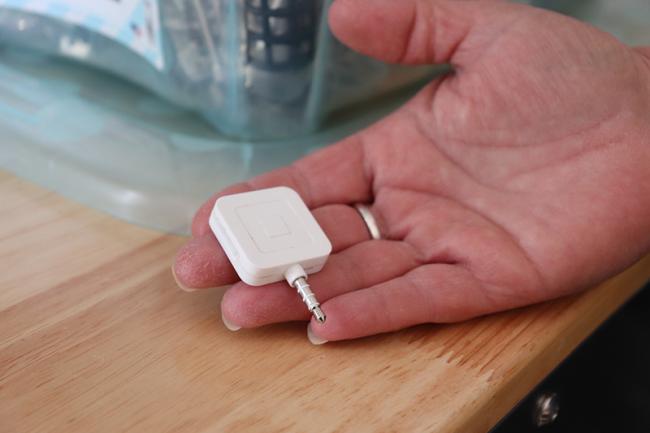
point(255, 69)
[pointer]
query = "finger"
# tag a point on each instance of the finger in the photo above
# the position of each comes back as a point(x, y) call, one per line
point(419, 31)
point(434, 293)
point(342, 224)
point(361, 265)
point(201, 262)
point(336, 174)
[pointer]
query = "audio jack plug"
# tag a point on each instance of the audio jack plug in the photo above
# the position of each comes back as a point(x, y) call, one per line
point(297, 278)
point(270, 235)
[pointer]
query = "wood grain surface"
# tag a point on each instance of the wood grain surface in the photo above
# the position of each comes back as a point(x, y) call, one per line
point(95, 337)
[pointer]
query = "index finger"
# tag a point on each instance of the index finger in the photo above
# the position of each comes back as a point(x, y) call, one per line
point(335, 174)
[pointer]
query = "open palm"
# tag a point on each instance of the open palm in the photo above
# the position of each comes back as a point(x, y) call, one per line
point(522, 176)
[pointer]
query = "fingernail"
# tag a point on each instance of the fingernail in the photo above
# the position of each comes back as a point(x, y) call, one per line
point(178, 283)
point(231, 326)
point(313, 338)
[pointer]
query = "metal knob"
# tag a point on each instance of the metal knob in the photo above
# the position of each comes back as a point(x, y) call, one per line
point(547, 408)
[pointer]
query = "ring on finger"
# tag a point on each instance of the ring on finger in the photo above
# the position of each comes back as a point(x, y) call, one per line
point(369, 220)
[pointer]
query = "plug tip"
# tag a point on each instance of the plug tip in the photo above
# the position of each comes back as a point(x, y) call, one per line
point(318, 314)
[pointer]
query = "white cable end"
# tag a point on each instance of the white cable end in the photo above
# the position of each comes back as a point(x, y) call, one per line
point(293, 273)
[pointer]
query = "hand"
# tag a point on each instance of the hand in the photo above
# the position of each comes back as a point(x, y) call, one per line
point(521, 177)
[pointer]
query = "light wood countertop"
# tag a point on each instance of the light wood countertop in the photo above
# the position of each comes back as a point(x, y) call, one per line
point(95, 337)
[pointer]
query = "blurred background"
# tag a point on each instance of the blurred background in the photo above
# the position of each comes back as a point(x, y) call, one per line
point(146, 110)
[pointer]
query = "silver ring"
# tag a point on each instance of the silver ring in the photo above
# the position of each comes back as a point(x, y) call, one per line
point(369, 220)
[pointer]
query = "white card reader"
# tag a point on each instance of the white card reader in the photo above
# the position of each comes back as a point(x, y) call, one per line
point(270, 235)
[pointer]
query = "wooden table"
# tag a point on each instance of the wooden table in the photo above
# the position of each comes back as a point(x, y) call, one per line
point(95, 337)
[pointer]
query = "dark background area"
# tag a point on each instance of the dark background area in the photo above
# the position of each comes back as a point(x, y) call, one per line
point(604, 386)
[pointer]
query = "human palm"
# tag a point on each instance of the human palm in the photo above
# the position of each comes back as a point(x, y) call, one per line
point(522, 176)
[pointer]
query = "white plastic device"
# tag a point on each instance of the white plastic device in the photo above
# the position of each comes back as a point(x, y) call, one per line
point(270, 235)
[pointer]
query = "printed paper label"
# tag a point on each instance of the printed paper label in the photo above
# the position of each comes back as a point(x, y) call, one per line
point(134, 23)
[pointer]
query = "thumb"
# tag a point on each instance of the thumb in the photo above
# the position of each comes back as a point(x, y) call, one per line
point(420, 31)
